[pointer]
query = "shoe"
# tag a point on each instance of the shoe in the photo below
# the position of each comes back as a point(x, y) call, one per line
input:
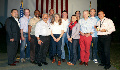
point(53, 61)
point(33, 62)
point(39, 64)
point(59, 62)
point(81, 63)
point(107, 67)
point(63, 60)
point(45, 63)
point(22, 60)
point(95, 61)
point(70, 64)
point(89, 60)
point(16, 62)
point(86, 63)
point(101, 64)
point(12, 64)
point(28, 59)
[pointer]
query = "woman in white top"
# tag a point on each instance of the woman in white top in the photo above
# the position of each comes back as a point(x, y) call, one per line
point(57, 31)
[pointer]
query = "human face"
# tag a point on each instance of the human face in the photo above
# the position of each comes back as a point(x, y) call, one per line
point(27, 12)
point(45, 17)
point(15, 13)
point(37, 14)
point(74, 18)
point(77, 14)
point(92, 12)
point(85, 14)
point(64, 14)
point(56, 17)
point(101, 15)
point(51, 12)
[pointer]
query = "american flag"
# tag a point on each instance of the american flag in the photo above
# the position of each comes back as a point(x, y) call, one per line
point(21, 9)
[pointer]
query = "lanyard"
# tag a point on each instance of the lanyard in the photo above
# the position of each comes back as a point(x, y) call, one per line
point(101, 23)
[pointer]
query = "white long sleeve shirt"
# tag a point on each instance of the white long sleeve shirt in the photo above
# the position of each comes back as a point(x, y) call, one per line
point(42, 28)
point(106, 24)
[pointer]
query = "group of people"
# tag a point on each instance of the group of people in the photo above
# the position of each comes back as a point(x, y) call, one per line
point(52, 32)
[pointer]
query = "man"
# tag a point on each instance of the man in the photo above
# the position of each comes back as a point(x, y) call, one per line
point(31, 36)
point(105, 28)
point(42, 32)
point(94, 36)
point(12, 36)
point(24, 35)
point(85, 38)
point(65, 22)
point(51, 15)
point(78, 14)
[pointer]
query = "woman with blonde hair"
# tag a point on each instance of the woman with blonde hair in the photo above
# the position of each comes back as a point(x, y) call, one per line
point(57, 31)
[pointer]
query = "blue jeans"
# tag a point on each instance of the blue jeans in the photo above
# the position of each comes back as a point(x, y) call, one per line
point(78, 52)
point(57, 46)
point(50, 48)
point(64, 40)
point(94, 41)
point(73, 50)
point(22, 47)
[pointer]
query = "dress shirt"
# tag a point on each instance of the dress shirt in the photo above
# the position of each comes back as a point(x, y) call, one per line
point(65, 24)
point(85, 25)
point(94, 21)
point(33, 22)
point(56, 28)
point(42, 28)
point(17, 21)
point(24, 23)
point(106, 24)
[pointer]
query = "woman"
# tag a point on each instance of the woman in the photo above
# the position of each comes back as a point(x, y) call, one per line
point(57, 32)
point(73, 39)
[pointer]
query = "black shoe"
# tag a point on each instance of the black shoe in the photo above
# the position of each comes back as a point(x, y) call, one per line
point(39, 64)
point(45, 63)
point(101, 65)
point(107, 67)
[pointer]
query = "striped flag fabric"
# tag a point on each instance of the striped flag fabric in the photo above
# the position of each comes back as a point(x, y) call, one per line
point(21, 9)
point(58, 5)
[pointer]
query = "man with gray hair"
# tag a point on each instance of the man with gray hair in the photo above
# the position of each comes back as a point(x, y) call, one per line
point(42, 32)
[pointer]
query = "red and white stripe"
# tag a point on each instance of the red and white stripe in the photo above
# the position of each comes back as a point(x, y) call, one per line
point(58, 5)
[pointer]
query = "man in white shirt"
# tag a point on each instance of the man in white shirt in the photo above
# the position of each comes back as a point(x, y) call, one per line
point(42, 32)
point(65, 22)
point(105, 28)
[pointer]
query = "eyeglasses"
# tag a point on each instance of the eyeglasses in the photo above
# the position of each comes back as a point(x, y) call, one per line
point(44, 18)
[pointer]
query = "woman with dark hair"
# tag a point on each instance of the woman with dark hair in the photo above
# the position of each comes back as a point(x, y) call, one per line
point(57, 31)
point(73, 39)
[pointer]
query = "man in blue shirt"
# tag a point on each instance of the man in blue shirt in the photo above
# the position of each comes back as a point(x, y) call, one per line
point(94, 36)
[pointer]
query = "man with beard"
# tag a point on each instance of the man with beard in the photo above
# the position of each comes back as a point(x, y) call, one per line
point(31, 36)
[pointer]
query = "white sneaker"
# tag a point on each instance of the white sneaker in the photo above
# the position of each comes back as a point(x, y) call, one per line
point(89, 59)
point(95, 61)
point(22, 60)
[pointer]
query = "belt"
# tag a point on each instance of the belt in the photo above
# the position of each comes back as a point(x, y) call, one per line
point(25, 32)
point(44, 35)
point(86, 33)
point(104, 35)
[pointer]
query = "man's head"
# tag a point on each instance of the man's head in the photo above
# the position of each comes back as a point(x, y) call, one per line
point(51, 12)
point(92, 12)
point(73, 18)
point(64, 14)
point(45, 17)
point(37, 13)
point(85, 13)
point(14, 13)
point(77, 13)
point(26, 12)
point(101, 14)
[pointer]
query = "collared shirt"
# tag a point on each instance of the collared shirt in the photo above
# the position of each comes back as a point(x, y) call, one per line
point(85, 25)
point(42, 28)
point(56, 28)
point(33, 22)
point(17, 21)
point(106, 24)
point(94, 21)
point(65, 23)
point(24, 23)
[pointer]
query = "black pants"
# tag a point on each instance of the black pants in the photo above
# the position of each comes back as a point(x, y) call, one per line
point(104, 49)
point(33, 48)
point(12, 51)
point(43, 49)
